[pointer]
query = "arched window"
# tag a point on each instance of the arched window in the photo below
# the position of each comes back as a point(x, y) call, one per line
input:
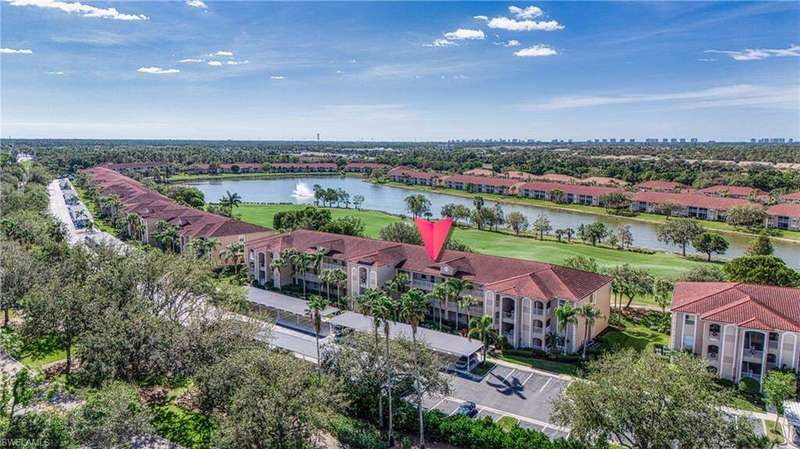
point(714, 330)
point(538, 325)
point(538, 307)
point(537, 343)
point(713, 351)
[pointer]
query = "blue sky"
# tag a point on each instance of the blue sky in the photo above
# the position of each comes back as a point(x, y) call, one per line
point(399, 71)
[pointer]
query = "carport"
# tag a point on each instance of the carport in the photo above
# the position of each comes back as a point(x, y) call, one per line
point(288, 311)
point(452, 346)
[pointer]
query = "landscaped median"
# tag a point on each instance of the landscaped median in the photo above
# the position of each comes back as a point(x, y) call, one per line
point(660, 264)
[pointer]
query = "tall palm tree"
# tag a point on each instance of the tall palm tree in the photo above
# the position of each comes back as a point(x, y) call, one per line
point(566, 314)
point(167, 235)
point(134, 226)
point(590, 314)
point(385, 309)
point(326, 277)
point(441, 294)
point(316, 304)
point(299, 263)
point(457, 287)
point(277, 264)
point(367, 305)
point(230, 200)
point(234, 252)
point(466, 302)
point(203, 247)
point(483, 329)
point(339, 279)
point(399, 284)
point(413, 308)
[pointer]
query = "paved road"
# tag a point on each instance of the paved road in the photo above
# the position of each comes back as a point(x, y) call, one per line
point(523, 394)
point(58, 208)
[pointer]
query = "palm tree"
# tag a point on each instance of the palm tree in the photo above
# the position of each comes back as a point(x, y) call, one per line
point(134, 226)
point(384, 309)
point(367, 305)
point(482, 328)
point(590, 314)
point(441, 294)
point(339, 279)
point(277, 264)
point(167, 235)
point(203, 247)
point(316, 305)
point(398, 285)
point(230, 200)
point(299, 262)
point(326, 277)
point(417, 204)
point(457, 287)
point(413, 308)
point(465, 302)
point(566, 314)
point(233, 252)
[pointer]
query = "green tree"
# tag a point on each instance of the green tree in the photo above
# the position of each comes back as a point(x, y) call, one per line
point(768, 270)
point(234, 253)
point(760, 246)
point(418, 205)
point(644, 401)
point(483, 329)
point(594, 233)
point(746, 216)
point(167, 236)
point(779, 387)
point(230, 200)
point(582, 263)
point(457, 286)
point(590, 314)
point(624, 236)
point(385, 309)
point(662, 292)
point(358, 200)
point(316, 304)
point(565, 314)
point(112, 417)
point(632, 282)
point(203, 247)
point(400, 232)
point(413, 308)
point(542, 225)
point(703, 273)
point(18, 269)
point(679, 232)
point(517, 222)
point(710, 243)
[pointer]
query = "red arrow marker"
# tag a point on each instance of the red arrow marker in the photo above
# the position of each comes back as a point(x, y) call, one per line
point(434, 234)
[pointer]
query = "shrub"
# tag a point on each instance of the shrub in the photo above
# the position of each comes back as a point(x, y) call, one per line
point(748, 386)
point(355, 434)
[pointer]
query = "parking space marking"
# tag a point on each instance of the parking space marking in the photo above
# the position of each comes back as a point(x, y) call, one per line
point(513, 415)
point(545, 385)
point(508, 375)
point(527, 379)
point(437, 404)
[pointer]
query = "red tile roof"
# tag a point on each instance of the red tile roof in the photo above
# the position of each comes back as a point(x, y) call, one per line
point(413, 173)
point(731, 190)
point(692, 199)
point(747, 305)
point(138, 199)
point(784, 210)
point(316, 165)
point(575, 189)
point(660, 185)
point(506, 275)
point(481, 180)
point(794, 196)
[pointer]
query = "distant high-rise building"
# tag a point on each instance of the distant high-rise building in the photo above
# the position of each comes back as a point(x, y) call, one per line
point(631, 140)
point(753, 140)
point(651, 140)
point(673, 140)
point(694, 140)
point(664, 140)
point(613, 140)
point(682, 140)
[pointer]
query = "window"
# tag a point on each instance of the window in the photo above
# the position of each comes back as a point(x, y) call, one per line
point(689, 320)
point(714, 330)
point(713, 351)
point(362, 276)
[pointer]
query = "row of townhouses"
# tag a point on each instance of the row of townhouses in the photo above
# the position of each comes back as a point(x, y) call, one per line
point(520, 295)
point(712, 203)
point(151, 208)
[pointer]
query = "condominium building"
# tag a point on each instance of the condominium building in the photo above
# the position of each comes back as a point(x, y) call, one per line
point(784, 216)
point(687, 204)
point(408, 175)
point(520, 295)
point(152, 208)
point(565, 193)
point(741, 330)
point(479, 184)
point(732, 191)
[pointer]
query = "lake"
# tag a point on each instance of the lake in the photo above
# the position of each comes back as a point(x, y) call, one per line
point(386, 198)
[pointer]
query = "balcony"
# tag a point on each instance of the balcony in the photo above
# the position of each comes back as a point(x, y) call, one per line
point(508, 314)
point(755, 354)
point(422, 285)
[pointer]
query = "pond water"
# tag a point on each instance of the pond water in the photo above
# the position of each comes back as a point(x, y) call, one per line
point(299, 190)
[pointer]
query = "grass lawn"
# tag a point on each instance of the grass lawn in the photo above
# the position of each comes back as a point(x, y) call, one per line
point(188, 428)
point(507, 423)
point(774, 434)
point(544, 365)
point(33, 354)
point(593, 210)
point(92, 208)
point(633, 336)
point(664, 265)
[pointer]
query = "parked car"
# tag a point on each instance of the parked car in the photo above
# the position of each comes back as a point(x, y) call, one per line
point(468, 409)
point(461, 364)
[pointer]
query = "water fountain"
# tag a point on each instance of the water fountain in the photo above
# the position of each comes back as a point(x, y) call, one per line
point(302, 191)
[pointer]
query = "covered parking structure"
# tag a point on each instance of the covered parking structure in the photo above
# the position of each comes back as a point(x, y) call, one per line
point(288, 311)
point(460, 351)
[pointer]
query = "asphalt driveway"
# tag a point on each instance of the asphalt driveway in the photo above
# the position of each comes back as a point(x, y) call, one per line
point(505, 391)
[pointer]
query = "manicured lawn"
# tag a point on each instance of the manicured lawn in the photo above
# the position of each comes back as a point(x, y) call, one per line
point(189, 428)
point(33, 354)
point(500, 244)
point(774, 435)
point(507, 423)
point(544, 365)
point(633, 336)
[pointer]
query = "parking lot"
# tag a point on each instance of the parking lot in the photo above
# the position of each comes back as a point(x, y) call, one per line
point(505, 391)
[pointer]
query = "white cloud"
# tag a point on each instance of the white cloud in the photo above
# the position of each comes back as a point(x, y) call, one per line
point(225, 53)
point(55, 73)
point(214, 63)
point(526, 13)
point(464, 34)
point(536, 51)
point(16, 51)
point(707, 59)
point(481, 18)
point(238, 62)
point(277, 77)
point(157, 70)
point(80, 9)
point(504, 23)
point(191, 61)
point(511, 43)
point(441, 42)
point(722, 96)
point(196, 4)
point(755, 54)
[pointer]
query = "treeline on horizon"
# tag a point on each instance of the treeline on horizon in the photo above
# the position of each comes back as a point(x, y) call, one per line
point(666, 162)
